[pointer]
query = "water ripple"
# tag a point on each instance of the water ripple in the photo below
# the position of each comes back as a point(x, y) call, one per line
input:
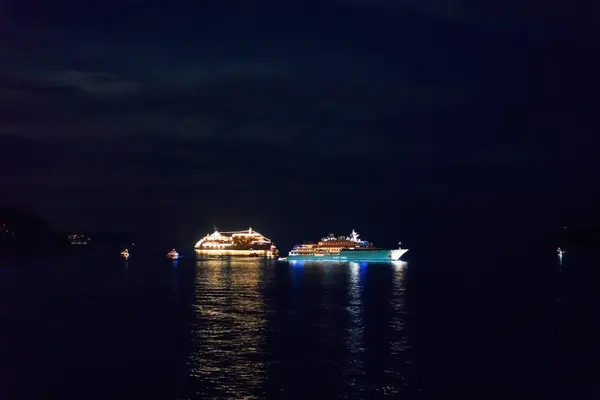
point(228, 333)
point(264, 330)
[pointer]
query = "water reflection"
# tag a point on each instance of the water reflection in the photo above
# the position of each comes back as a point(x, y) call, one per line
point(560, 258)
point(355, 339)
point(398, 315)
point(297, 332)
point(399, 345)
point(355, 311)
point(175, 282)
point(377, 343)
point(228, 332)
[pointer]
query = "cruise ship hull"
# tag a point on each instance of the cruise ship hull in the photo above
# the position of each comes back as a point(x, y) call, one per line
point(371, 256)
point(235, 253)
point(248, 243)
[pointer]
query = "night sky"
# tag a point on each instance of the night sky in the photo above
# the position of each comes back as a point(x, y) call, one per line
point(396, 118)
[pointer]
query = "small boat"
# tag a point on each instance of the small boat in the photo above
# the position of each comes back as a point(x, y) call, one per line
point(282, 259)
point(125, 254)
point(173, 255)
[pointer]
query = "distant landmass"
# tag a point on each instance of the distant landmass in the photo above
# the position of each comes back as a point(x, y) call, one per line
point(27, 233)
point(111, 238)
point(585, 237)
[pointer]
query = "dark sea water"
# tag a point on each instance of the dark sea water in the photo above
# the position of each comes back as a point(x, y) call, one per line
point(92, 326)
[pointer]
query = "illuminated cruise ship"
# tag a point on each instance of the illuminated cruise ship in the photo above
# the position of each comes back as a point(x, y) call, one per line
point(248, 243)
point(343, 249)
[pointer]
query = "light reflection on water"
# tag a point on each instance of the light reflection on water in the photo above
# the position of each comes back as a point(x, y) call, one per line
point(229, 329)
point(355, 340)
point(276, 330)
point(399, 346)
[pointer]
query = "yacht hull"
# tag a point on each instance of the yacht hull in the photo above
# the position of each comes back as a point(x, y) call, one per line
point(371, 256)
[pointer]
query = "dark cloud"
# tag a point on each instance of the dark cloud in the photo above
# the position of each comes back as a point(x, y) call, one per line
point(318, 94)
point(373, 113)
point(538, 18)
